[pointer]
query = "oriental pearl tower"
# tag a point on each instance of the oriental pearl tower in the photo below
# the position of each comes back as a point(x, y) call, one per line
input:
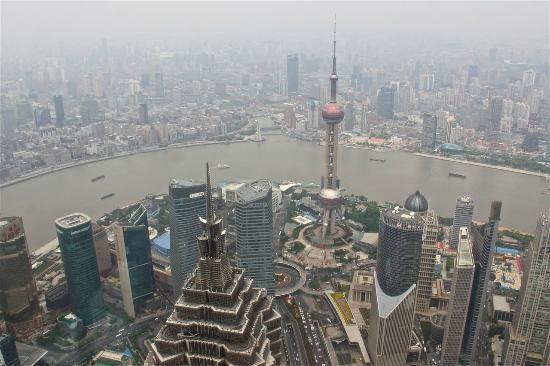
point(330, 197)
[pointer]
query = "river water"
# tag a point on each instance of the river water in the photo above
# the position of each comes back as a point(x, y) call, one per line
point(41, 200)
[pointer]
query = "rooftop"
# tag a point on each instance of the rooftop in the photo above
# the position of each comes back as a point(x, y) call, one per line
point(72, 220)
point(176, 183)
point(501, 304)
point(253, 191)
point(465, 257)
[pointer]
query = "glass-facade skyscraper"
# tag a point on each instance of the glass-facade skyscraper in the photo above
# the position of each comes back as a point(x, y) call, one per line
point(464, 211)
point(483, 248)
point(8, 351)
point(187, 203)
point(135, 266)
point(292, 74)
point(385, 100)
point(19, 301)
point(254, 233)
point(74, 232)
point(59, 111)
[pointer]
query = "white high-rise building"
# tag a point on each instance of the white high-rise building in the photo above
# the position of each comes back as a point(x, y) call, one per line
point(464, 211)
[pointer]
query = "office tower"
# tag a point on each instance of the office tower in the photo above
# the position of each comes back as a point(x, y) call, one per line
point(364, 111)
point(59, 111)
point(290, 116)
point(159, 85)
point(528, 342)
point(484, 239)
point(254, 232)
point(429, 131)
point(400, 245)
point(19, 300)
point(135, 267)
point(427, 262)
point(426, 82)
point(384, 106)
point(221, 318)
point(464, 211)
point(186, 203)
point(330, 197)
point(101, 248)
point(89, 110)
point(390, 325)
point(74, 233)
point(8, 351)
point(460, 297)
point(522, 112)
point(292, 74)
point(143, 113)
point(42, 116)
point(495, 114)
point(313, 116)
point(349, 121)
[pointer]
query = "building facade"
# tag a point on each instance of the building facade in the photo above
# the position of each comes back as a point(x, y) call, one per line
point(464, 211)
point(483, 247)
point(74, 233)
point(59, 111)
point(292, 74)
point(427, 263)
point(385, 100)
point(102, 250)
point(254, 233)
point(460, 297)
point(390, 326)
point(19, 300)
point(135, 266)
point(528, 341)
point(186, 204)
point(8, 351)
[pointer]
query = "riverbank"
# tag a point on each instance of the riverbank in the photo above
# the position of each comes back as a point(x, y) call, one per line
point(42, 172)
point(504, 168)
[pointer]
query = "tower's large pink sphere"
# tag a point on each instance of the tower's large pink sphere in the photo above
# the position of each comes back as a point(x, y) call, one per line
point(333, 113)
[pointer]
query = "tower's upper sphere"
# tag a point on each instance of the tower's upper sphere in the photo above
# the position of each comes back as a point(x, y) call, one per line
point(333, 113)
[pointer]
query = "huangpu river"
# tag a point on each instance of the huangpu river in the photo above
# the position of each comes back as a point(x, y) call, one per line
point(42, 199)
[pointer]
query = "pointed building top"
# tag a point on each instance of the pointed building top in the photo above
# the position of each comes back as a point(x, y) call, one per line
point(210, 217)
point(334, 48)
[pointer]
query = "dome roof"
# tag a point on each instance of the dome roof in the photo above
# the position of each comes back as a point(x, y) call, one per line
point(416, 202)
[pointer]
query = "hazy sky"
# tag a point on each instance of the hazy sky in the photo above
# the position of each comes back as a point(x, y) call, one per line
point(26, 23)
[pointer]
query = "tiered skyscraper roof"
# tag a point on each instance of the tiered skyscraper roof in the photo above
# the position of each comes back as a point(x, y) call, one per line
point(220, 318)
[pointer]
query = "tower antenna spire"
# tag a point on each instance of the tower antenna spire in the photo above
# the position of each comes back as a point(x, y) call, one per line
point(209, 208)
point(334, 48)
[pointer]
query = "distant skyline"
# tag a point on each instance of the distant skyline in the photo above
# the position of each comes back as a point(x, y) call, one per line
point(50, 24)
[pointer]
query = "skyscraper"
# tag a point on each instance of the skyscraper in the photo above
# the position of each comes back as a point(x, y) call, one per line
point(187, 203)
point(429, 131)
point(102, 251)
point(390, 326)
point(19, 301)
point(59, 111)
point(292, 74)
point(384, 105)
point(143, 113)
point(400, 245)
point(159, 85)
point(8, 351)
point(74, 233)
point(528, 341)
point(495, 114)
point(330, 196)
point(464, 211)
point(135, 266)
point(254, 232)
point(221, 318)
point(460, 297)
point(427, 262)
point(484, 239)
point(349, 121)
